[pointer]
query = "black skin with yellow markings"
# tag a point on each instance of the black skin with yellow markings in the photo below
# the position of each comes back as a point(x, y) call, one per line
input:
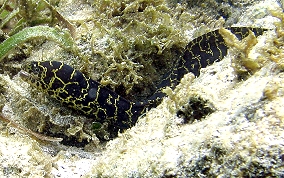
point(78, 91)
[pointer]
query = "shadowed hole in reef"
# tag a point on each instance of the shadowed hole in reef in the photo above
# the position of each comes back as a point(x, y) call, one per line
point(196, 109)
point(69, 141)
point(72, 141)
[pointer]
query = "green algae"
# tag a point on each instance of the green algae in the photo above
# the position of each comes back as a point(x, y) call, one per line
point(147, 36)
point(241, 63)
point(62, 38)
point(137, 37)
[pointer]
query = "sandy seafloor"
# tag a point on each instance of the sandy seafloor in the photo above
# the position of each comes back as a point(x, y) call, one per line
point(244, 137)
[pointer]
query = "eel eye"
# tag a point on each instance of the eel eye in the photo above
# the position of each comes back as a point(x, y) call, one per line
point(34, 68)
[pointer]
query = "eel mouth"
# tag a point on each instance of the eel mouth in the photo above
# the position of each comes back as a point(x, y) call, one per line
point(25, 75)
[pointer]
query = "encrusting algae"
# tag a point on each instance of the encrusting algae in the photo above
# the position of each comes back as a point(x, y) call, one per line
point(226, 142)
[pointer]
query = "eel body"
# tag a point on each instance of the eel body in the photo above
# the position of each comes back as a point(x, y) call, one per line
point(72, 87)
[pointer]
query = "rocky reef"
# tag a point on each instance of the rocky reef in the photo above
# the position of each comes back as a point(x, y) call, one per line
point(228, 122)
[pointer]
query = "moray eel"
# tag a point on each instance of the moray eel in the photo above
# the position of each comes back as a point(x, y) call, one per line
point(72, 87)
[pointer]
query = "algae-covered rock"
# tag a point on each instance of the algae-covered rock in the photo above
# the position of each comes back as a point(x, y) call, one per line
point(129, 45)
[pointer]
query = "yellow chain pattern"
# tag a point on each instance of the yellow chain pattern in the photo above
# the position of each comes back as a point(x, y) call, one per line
point(80, 92)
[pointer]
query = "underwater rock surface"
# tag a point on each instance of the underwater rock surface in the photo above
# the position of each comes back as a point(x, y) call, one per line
point(243, 137)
